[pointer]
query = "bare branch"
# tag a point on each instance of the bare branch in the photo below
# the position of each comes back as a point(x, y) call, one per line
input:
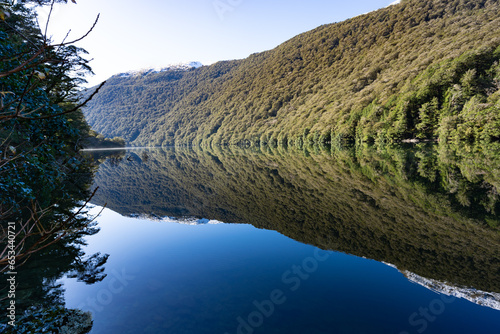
point(67, 111)
point(28, 84)
point(24, 65)
point(44, 47)
point(48, 20)
point(79, 39)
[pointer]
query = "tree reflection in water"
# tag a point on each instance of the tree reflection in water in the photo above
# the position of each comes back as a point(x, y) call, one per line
point(49, 248)
point(429, 209)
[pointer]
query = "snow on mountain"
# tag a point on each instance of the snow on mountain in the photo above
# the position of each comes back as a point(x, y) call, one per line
point(183, 221)
point(391, 4)
point(172, 67)
point(483, 298)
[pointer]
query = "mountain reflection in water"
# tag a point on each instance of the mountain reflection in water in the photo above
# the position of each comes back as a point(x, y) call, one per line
point(426, 209)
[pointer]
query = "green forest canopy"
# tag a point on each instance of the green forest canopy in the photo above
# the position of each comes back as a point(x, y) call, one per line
point(422, 69)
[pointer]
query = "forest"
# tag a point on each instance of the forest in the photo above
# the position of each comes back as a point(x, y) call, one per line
point(422, 70)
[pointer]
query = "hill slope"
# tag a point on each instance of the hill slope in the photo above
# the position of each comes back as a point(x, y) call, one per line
point(419, 69)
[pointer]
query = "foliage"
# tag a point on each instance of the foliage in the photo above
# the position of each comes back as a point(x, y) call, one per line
point(97, 140)
point(43, 178)
point(53, 320)
point(41, 126)
point(38, 139)
point(423, 69)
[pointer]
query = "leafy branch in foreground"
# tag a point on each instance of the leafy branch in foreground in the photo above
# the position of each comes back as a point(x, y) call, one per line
point(41, 126)
point(44, 181)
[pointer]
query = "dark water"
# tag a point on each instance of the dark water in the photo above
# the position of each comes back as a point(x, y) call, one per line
point(401, 240)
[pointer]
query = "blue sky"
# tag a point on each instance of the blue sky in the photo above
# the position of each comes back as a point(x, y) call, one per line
point(132, 35)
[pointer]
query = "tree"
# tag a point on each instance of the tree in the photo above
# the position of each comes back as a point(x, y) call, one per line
point(42, 176)
point(40, 127)
point(428, 115)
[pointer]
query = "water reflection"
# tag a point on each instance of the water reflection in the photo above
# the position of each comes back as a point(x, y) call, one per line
point(429, 210)
point(165, 276)
point(49, 244)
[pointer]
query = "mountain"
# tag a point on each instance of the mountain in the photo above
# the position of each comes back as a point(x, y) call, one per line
point(420, 69)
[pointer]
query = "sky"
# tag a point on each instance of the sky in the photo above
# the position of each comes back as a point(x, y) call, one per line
point(134, 35)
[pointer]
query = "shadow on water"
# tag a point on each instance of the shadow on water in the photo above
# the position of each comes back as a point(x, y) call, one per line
point(428, 209)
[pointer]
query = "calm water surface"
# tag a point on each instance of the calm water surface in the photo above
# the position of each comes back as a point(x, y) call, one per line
point(238, 274)
point(165, 277)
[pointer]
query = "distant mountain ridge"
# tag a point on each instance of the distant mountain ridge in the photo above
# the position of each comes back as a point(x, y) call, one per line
point(421, 69)
point(172, 67)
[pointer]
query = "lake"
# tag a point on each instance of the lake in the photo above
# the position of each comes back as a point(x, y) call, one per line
point(232, 240)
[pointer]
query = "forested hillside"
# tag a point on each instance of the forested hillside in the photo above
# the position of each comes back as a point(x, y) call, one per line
point(423, 69)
